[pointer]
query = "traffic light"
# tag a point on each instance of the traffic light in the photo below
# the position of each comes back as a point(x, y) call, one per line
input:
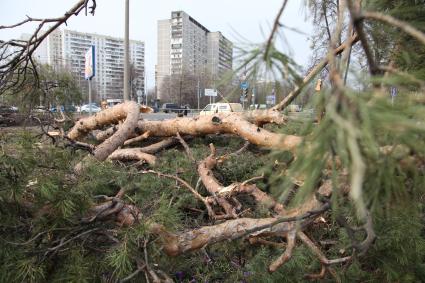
point(245, 92)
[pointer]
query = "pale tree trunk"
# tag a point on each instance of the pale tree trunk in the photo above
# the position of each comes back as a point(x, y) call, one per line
point(129, 111)
point(220, 123)
point(257, 117)
point(132, 154)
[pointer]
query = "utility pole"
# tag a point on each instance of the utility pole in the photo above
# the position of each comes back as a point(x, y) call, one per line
point(180, 92)
point(126, 53)
point(199, 93)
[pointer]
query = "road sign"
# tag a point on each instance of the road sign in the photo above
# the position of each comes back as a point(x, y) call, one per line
point(89, 66)
point(393, 91)
point(210, 92)
point(244, 85)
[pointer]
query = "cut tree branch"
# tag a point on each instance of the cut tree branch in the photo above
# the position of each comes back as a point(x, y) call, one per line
point(312, 74)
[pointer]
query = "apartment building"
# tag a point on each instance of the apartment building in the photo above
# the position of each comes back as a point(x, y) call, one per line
point(66, 49)
point(220, 53)
point(186, 46)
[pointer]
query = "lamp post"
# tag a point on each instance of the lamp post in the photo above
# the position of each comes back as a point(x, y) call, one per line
point(198, 93)
point(126, 53)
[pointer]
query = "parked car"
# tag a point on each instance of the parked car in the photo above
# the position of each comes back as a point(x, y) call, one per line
point(170, 108)
point(294, 108)
point(66, 108)
point(112, 102)
point(213, 108)
point(39, 109)
point(86, 108)
point(8, 109)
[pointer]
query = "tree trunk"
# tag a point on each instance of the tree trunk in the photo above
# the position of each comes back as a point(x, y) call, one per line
point(220, 123)
point(128, 110)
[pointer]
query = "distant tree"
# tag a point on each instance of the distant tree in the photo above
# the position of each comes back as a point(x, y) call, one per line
point(54, 88)
point(136, 82)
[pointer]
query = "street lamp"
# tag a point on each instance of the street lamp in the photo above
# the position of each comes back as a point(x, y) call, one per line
point(199, 90)
point(126, 52)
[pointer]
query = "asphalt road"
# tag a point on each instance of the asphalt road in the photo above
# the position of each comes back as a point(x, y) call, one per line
point(162, 116)
point(165, 116)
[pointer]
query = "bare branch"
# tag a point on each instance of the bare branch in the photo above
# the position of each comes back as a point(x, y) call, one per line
point(186, 185)
point(312, 74)
point(186, 148)
point(274, 29)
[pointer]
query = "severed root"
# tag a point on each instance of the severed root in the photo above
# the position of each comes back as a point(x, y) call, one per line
point(133, 154)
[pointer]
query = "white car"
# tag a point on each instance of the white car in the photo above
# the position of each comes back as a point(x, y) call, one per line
point(86, 108)
point(213, 108)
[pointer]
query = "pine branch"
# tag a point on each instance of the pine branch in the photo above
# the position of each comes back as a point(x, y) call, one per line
point(407, 28)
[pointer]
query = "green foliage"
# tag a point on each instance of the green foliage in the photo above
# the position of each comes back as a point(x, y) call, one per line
point(120, 260)
point(75, 267)
point(410, 54)
point(51, 88)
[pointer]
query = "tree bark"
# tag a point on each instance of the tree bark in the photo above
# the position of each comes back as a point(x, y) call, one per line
point(257, 117)
point(221, 123)
point(128, 110)
point(132, 154)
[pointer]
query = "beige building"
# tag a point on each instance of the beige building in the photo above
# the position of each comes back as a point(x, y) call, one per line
point(186, 46)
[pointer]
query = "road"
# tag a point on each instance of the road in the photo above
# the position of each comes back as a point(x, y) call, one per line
point(162, 116)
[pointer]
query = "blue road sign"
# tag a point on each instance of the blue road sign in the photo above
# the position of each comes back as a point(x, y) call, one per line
point(244, 85)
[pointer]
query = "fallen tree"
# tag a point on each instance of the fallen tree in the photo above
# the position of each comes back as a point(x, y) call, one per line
point(127, 111)
point(288, 224)
point(359, 162)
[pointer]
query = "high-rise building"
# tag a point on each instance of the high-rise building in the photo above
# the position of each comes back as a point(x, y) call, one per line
point(220, 53)
point(66, 49)
point(186, 46)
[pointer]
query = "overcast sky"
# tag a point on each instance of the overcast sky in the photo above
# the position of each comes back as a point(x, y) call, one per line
point(238, 20)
